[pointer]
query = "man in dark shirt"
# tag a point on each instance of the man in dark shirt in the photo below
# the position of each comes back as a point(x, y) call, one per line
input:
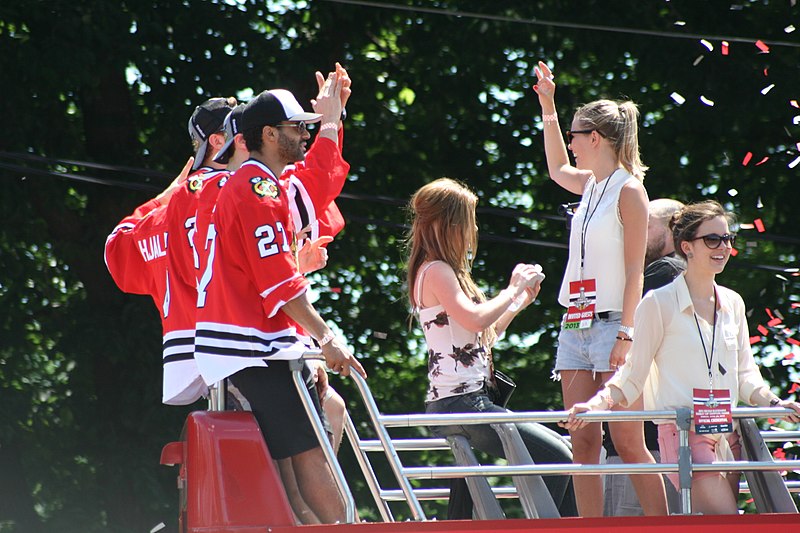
point(662, 266)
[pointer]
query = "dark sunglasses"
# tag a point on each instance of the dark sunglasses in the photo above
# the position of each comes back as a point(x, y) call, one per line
point(300, 125)
point(570, 134)
point(712, 240)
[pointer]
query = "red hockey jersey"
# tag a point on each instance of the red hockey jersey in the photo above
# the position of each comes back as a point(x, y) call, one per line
point(136, 255)
point(253, 273)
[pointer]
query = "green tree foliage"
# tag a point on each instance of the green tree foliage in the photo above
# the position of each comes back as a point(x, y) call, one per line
point(434, 95)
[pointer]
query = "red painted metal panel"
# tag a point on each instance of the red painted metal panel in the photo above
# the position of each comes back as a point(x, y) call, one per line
point(232, 483)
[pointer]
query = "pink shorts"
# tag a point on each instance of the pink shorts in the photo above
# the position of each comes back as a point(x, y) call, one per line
point(702, 447)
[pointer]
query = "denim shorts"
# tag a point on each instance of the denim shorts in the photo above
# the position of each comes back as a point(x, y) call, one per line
point(590, 348)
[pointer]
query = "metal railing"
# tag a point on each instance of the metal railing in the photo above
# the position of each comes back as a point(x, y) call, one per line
point(404, 474)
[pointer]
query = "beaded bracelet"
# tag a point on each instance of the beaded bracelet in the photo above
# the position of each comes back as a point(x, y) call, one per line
point(329, 126)
point(620, 338)
point(549, 118)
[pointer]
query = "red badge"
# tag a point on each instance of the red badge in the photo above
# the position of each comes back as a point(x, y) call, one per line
point(712, 411)
point(582, 297)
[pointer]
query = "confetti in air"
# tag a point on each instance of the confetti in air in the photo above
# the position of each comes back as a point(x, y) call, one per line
point(706, 101)
point(747, 157)
point(678, 98)
point(759, 225)
point(724, 48)
point(761, 46)
point(767, 89)
point(794, 163)
point(707, 45)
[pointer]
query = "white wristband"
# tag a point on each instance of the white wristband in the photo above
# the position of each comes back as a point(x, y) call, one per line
point(550, 118)
point(327, 338)
point(515, 304)
point(329, 126)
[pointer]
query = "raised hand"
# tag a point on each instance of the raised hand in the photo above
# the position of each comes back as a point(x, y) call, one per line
point(329, 98)
point(545, 87)
point(167, 193)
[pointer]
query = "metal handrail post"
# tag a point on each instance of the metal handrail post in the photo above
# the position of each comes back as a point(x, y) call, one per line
point(389, 449)
point(216, 396)
point(366, 468)
point(684, 422)
point(296, 366)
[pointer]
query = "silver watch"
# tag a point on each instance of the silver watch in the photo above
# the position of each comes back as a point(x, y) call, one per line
point(627, 330)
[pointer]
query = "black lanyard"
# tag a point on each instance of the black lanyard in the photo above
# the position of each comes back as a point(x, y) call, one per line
point(709, 359)
point(588, 217)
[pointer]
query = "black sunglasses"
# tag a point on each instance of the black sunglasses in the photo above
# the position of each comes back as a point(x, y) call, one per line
point(300, 125)
point(572, 133)
point(713, 241)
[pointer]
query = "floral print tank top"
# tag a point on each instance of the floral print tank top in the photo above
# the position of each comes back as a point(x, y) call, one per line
point(457, 361)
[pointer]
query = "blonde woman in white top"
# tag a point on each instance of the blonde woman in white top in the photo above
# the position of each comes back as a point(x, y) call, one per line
point(603, 280)
point(692, 336)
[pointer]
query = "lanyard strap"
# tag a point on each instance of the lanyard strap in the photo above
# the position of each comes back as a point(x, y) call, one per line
point(709, 358)
point(588, 217)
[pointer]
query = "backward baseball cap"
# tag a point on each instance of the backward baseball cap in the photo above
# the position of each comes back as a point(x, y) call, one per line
point(272, 107)
point(206, 120)
point(232, 128)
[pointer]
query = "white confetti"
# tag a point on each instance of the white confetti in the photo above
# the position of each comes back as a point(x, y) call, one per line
point(795, 162)
point(698, 60)
point(379, 335)
point(796, 120)
point(767, 89)
point(789, 29)
point(707, 45)
point(759, 203)
point(680, 23)
point(732, 192)
point(706, 101)
point(678, 98)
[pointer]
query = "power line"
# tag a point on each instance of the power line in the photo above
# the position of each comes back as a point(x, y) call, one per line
point(557, 24)
point(150, 188)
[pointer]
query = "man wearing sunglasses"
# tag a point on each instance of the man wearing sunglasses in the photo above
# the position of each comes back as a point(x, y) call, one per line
point(257, 314)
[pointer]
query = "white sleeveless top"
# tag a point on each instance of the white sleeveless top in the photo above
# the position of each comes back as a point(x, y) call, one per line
point(604, 260)
point(457, 361)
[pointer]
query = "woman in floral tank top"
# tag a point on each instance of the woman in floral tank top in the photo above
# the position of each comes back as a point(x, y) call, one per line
point(460, 326)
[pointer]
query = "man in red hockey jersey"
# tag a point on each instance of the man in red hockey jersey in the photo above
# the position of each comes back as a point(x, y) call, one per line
point(256, 312)
point(136, 256)
point(208, 136)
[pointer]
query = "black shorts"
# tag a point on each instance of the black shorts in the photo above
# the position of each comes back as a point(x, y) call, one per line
point(278, 409)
